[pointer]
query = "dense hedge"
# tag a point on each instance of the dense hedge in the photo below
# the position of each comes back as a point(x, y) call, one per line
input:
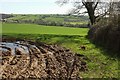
point(48, 23)
point(107, 34)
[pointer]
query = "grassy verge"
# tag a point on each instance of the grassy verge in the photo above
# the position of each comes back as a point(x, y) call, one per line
point(99, 63)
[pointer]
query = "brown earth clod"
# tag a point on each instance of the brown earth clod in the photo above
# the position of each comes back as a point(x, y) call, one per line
point(43, 61)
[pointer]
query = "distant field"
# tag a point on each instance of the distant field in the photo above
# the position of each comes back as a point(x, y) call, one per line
point(40, 29)
point(49, 18)
point(24, 17)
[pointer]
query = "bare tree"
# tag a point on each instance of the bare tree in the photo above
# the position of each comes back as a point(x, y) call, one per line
point(94, 8)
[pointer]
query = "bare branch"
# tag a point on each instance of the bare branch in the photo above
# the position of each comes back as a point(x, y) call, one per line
point(93, 7)
point(98, 17)
point(96, 5)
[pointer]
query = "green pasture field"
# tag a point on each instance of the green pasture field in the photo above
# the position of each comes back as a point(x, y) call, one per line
point(100, 63)
point(53, 18)
point(78, 22)
point(24, 17)
point(40, 29)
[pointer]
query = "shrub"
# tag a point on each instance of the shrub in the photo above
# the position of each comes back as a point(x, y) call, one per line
point(107, 34)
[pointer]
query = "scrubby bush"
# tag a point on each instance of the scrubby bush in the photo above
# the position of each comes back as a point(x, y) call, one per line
point(107, 34)
point(107, 31)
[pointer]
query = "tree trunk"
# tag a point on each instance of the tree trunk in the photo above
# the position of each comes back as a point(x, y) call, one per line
point(91, 12)
point(91, 16)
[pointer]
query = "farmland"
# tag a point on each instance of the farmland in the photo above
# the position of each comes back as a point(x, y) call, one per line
point(40, 29)
point(99, 63)
point(60, 39)
point(48, 19)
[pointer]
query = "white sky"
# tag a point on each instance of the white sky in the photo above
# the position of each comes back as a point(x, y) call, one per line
point(33, 7)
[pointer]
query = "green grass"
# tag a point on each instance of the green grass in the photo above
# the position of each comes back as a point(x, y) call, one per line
point(40, 29)
point(47, 17)
point(25, 17)
point(54, 19)
point(78, 22)
point(99, 63)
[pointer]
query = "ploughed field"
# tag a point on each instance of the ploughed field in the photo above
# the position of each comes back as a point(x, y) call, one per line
point(28, 59)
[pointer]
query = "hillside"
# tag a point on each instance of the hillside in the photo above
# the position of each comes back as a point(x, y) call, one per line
point(49, 19)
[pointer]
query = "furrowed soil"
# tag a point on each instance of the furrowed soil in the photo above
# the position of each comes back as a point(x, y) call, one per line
point(39, 60)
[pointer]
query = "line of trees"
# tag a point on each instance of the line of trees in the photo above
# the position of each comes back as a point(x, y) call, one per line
point(66, 22)
point(48, 23)
point(4, 16)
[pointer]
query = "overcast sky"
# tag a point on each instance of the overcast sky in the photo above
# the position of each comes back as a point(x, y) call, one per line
point(33, 7)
